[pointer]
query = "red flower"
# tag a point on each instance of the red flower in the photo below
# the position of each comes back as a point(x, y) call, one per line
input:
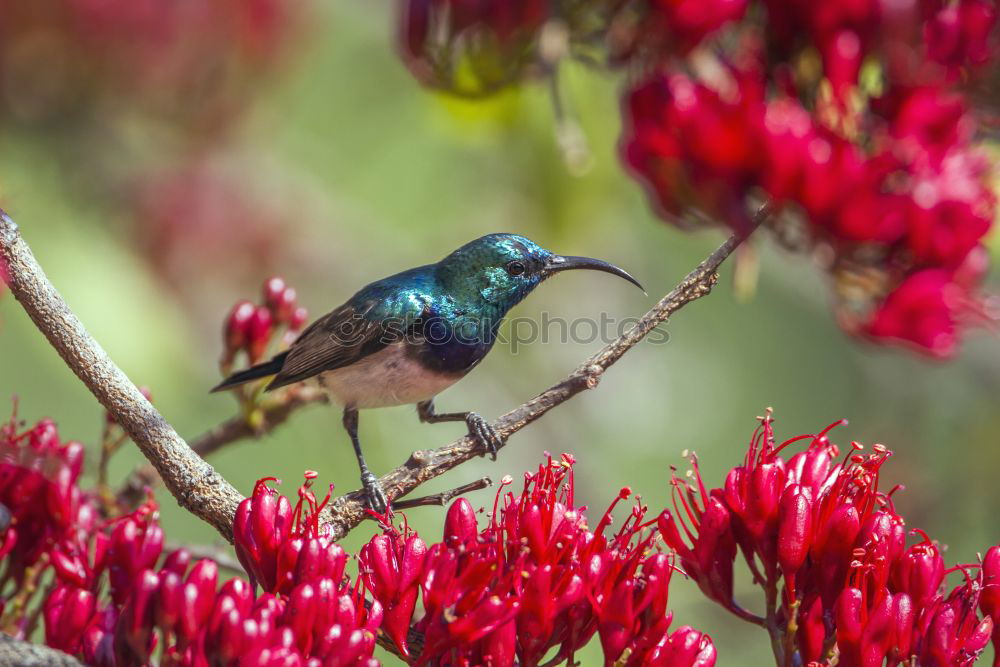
point(924, 311)
point(887, 183)
point(694, 147)
point(68, 612)
point(135, 546)
point(953, 632)
point(280, 546)
point(394, 566)
point(38, 489)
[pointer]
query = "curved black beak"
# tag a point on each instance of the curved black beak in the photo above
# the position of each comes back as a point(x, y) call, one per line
point(558, 263)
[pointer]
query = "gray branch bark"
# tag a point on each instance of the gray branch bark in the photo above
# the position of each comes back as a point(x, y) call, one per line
point(19, 653)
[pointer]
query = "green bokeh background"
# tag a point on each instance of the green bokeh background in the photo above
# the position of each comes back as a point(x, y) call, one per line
point(395, 176)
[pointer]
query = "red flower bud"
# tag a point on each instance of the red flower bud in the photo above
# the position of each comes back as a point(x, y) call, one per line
point(133, 638)
point(280, 299)
point(237, 330)
point(500, 646)
point(715, 552)
point(300, 615)
point(794, 530)
point(392, 572)
point(298, 319)
point(260, 328)
point(177, 561)
point(460, 526)
point(273, 288)
point(904, 614)
point(197, 598)
point(135, 545)
point(831, 550)
point(812, 630)
point(170, 601)
point(989, 599)
point(685, 647)
point(920, 573)
point(263, 522)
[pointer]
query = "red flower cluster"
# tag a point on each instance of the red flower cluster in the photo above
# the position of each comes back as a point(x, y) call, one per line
point(311, 613)
point(40, 502)
point(535, 578)
point(826, 546)
point(181, 611)
point(115, 600)
point(887, 179)
point(829, 551)
point(251, 328)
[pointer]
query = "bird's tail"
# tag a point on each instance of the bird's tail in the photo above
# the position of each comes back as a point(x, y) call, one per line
point(263, 370)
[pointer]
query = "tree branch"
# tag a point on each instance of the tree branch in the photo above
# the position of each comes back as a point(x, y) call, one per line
point(347, 511)
point(193, 482)
point(203, 491)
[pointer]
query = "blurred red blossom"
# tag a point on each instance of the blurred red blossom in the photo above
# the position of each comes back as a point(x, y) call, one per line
point(193, 63)
point(207, 209)
point(911, 211)
point(960, 34)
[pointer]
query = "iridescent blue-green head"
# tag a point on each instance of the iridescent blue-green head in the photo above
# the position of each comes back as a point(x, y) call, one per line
point(498, 270)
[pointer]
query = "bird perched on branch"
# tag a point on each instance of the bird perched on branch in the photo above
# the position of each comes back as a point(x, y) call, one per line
point(406, 338)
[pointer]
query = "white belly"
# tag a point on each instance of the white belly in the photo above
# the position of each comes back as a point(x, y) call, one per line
point(387, 377)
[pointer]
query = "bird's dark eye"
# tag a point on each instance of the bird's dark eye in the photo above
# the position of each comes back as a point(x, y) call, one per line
point(515, 268)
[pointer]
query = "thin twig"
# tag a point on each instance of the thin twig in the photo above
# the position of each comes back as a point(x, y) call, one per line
point(25, 654)
point(443, 498)
point(347, 511)
point(193, 482)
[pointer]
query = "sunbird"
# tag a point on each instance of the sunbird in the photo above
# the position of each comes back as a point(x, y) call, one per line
point(406, 338)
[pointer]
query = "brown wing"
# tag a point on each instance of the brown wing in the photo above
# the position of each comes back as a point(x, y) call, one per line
point(335, 340)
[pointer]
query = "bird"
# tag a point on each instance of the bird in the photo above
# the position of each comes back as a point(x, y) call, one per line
point(406, 338)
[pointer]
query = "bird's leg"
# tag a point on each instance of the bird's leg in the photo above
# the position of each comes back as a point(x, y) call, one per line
point(376, 497)
point(479, 428)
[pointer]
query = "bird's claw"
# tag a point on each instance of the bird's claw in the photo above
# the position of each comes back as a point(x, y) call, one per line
point(481, 430)
point(377, 500)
